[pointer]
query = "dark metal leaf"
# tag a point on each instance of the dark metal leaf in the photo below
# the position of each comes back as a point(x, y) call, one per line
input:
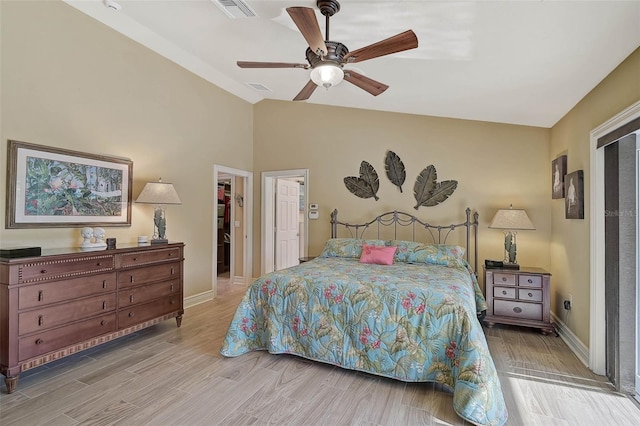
point(443, 190)
point(359, 187)
point(424, 186)
point(369, 175)
point(395, 169)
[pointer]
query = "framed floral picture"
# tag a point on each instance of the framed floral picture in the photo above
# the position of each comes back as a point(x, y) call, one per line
point(558, 171)
point(53, 187)
point(574, 195)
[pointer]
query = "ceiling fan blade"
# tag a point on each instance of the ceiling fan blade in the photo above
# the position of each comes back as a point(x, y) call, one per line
point(306, 21)
point(306, 91)
point(365, 83)
point(403, 41)
point(247, 64)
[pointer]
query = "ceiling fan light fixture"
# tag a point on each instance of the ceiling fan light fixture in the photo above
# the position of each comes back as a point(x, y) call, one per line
point(327, 75)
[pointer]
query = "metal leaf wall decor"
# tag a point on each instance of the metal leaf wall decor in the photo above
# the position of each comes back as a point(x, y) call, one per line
point(428, 191)
point(394, 167)
point(365, 186)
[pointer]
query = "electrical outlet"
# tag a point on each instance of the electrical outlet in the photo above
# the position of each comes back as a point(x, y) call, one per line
point(567, 304)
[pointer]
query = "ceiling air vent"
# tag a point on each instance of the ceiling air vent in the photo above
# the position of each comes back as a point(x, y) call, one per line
point(235, 8)
point(259, 86)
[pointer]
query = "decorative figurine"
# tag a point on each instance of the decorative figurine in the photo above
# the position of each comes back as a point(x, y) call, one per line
point(92, 238)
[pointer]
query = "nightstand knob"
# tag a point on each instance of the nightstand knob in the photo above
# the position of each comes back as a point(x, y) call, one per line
point(504, 278)
point(530, 281)
point(530, 294)
point(517, 310)
point(504, 292)
point(39, 342)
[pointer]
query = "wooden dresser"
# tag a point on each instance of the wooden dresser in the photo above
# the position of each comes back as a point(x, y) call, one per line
point(68, 300)
point(519, 297)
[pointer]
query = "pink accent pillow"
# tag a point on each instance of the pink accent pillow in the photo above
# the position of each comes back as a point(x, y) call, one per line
point(378, 255)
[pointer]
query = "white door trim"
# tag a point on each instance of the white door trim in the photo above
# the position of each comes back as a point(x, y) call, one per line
point(247, 218)
point(597, 356)
point(267, 218)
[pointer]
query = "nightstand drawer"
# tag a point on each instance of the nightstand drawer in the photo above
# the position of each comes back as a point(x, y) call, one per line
point(530, 280)
point(530, 295)
point(509, 279)
point(504, 292)
point(532, 311)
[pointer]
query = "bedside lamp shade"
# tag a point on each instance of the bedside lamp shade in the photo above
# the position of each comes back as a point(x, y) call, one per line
point(160, 194)
point(511, 220)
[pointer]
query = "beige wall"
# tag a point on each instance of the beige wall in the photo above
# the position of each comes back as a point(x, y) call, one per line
point(495, 165)
point(569, 244)
point(68, 81)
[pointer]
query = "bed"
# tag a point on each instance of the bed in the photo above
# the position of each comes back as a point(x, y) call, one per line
point(410, 316)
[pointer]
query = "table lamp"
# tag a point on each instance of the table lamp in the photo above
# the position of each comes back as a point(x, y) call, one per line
point(511, 220)
point(160, 194)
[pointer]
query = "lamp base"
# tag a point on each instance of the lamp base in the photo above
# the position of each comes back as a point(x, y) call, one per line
point(159, 241)
point(507, 265)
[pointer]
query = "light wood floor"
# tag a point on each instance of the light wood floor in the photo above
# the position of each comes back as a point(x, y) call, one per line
point(166, 375)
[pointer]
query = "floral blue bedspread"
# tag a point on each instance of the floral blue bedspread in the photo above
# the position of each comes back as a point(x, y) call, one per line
point(412, 322)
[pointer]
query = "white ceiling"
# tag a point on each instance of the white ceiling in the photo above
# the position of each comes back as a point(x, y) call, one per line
point(520, 62)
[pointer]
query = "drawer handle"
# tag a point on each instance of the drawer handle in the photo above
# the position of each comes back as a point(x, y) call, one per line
point(44, 271)
point(171, 287)
point(530, 281)
point(131, 298)
point(530, 294)
point(172, 270)
point(517, 309)
point(104, 305)
point(99, 264)
point(135, 258)
point(504, 278)
point(131, 278)
point(170, 254)
point(103, 322)
point(131, 314)
point(104, 283)
point(39, 341)
point(40, 321)
point(40, 296)
point(504, 292)
point(173, 302)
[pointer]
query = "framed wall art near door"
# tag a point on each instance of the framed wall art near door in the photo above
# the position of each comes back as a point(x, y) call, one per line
point(558, 172)
point(574, 195)
point(53, 187)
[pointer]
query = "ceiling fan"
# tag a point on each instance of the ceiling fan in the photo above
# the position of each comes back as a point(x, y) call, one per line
point(327, 58)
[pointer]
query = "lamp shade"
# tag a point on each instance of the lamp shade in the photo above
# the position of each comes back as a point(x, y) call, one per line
point(327, 75)
point(511, 218)
point(158, 193)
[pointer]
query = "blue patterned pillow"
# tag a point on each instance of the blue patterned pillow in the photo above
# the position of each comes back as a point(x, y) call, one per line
point(438, 254)
point(347, 247)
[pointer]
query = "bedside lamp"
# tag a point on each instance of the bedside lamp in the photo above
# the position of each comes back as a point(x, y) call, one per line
point(511, 220)
point(159, 193)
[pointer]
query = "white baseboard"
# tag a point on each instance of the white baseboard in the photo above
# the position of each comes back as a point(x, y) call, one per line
point(237, 280)
point(197, 299)
point(577, 347)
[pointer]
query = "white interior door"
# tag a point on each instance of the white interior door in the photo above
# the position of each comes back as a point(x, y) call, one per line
point(638, 266)
point(287, 214)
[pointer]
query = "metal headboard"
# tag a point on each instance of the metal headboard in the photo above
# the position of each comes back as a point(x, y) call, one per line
point(396, 219)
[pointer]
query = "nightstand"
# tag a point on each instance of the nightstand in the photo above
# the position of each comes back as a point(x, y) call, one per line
point(519, 297)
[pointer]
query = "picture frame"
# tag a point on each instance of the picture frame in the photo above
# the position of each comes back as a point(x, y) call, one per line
point(52, 187)
point(558, 172)
point(574, 195)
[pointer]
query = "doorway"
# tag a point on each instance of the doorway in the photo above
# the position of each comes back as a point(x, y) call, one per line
point(232, 226)
point(278, 241)
point(625, 123)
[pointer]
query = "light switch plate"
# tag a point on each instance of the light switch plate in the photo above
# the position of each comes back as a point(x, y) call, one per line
point(313, 206)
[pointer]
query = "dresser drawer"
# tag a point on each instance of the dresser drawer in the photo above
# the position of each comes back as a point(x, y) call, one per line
point(41, 343)
point(141, 313)
point(530, 281)
point(504, 292)
point(136, 295)
point(53, 316)
point(532, 311)
point(40, 271)
point(44, 294)
point(508, 279)
point(530, 294)
point(144, 257)
point(162, 272)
